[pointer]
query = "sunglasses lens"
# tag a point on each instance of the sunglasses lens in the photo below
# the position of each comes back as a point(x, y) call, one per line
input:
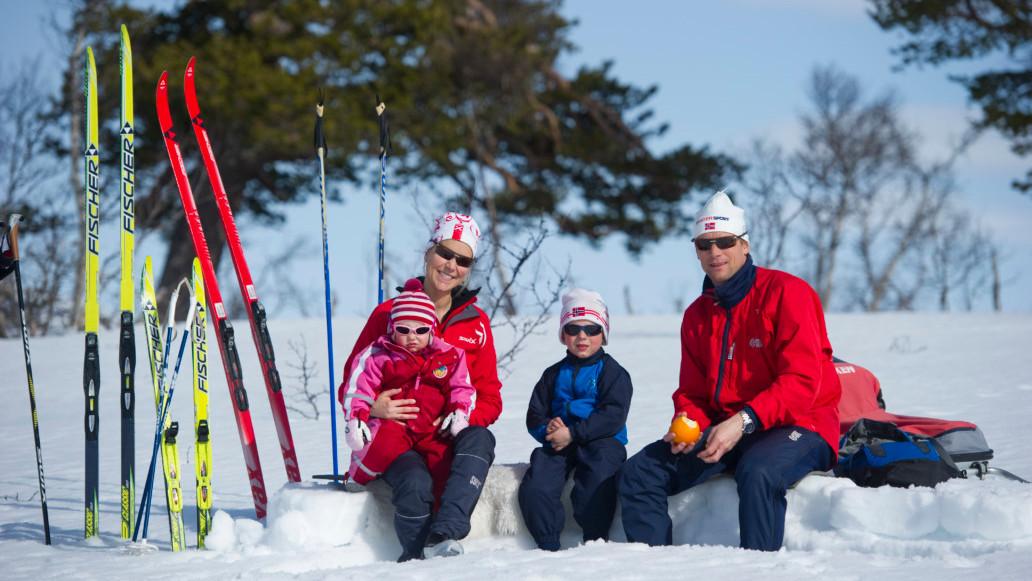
point(722, 243)
point(589, 330)
point(406, 330)
point(446, 254)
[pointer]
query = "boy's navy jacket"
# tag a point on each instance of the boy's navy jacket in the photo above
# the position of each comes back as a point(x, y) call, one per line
point(591, 395)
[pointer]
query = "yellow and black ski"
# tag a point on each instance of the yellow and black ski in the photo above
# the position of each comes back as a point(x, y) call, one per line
point(169, 452)
point(127, 336)
point(91, 360)
point(202, 434)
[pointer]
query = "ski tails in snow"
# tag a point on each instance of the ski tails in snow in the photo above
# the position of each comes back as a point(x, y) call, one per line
point(91, 363)
point(202, 435)
point(224, 332)
point(255, 310)
point(127, 336)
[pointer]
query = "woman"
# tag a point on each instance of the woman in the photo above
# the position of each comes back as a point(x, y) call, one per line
point(448, 262)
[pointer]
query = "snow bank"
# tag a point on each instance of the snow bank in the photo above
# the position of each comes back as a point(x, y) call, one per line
point(959, 518)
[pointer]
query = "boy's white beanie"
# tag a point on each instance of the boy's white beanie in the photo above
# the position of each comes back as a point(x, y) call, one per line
point(584, 305)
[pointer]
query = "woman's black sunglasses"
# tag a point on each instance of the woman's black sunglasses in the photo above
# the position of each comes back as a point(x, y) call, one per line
point(723, 243)
point(448, 254)
point(572, 330)
point(405, 330)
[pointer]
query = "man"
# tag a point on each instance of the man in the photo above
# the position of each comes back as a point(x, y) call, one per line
point(757, 375)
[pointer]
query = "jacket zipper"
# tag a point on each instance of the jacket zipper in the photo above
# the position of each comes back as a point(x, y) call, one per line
point(724, 355)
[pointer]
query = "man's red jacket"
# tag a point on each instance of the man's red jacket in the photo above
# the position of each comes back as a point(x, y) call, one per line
point(465, 326)
point(775, 353)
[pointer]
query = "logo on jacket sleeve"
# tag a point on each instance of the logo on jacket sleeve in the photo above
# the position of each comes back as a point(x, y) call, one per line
point(441, 371)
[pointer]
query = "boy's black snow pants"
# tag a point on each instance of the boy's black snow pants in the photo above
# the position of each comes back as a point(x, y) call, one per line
point(595, 466)
point(765, 464)
point(412, 491)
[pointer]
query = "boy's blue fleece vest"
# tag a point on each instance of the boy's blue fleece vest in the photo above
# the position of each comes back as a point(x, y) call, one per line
point(575, 394)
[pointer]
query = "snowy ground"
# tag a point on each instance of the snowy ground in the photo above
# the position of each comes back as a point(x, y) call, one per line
point(972, 367)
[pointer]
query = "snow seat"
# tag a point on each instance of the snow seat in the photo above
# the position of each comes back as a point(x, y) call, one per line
point(862, 398)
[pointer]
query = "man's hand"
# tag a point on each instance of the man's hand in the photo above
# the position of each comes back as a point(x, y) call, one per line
point(393, 409)
point(558, 434)
point(722, 439)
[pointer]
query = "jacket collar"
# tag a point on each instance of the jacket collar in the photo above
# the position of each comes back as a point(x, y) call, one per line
point(734, 290)
point(579, 362)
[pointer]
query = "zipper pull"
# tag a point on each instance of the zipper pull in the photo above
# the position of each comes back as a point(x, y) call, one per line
point(731, 352)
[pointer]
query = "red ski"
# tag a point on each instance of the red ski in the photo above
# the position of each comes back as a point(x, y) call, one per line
point(255, 309)
point(223, 329)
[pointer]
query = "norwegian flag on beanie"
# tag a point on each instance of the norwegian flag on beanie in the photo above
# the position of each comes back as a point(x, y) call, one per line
point(413, 305)
point(584, 305)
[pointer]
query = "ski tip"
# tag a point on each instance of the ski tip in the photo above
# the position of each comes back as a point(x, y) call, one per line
point(190, 66)
point(163, 81)
point(125, 33)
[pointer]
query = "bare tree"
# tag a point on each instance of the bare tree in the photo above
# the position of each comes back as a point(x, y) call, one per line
point(27, 186)
point(537, 284)
point(850, 151)
point(773, 204)
point(856, 193)
point(305, 398)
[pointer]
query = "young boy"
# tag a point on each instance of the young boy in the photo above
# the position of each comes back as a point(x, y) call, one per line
point(578, 411)
point(428, 370)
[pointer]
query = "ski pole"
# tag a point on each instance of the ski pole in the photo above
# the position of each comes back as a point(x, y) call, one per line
point(385, 144)
point(321, 150)
point(11, 238)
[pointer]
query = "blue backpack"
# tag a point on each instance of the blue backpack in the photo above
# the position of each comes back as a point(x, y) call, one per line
point(876, 453)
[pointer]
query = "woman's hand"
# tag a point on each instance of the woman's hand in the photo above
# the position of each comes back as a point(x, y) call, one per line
point(393, 409)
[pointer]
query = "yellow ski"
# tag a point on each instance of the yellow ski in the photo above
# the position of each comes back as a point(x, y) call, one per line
point(169, 452)
point(127, 336)
point(91, 362)
point(200, 384)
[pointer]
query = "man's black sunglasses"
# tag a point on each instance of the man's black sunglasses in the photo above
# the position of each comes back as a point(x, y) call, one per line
point(448, 254)
point(723, 243)
point(592, 330)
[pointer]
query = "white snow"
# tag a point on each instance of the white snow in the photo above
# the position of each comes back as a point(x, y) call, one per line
point(971, 367)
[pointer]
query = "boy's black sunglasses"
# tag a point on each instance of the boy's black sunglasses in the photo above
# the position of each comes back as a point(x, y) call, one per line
point(723, 243)
point(592, 330)
point(405, 330)
point(448, 254)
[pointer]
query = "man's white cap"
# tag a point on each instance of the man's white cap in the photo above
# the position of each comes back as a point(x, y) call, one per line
point(455, 226)
point(584, 305)
point(720, 214)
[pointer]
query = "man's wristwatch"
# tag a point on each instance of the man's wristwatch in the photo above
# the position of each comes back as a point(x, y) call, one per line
point(748, 426)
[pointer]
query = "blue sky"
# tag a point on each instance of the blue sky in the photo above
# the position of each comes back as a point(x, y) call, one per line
point(727, 72)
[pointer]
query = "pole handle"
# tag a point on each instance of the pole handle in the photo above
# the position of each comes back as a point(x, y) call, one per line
point(12, 233)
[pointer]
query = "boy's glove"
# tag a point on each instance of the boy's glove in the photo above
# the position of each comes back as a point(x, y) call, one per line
point(357, 434)
point(455, 422)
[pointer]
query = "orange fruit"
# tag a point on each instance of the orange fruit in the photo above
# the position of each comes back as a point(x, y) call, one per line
point(685, 431)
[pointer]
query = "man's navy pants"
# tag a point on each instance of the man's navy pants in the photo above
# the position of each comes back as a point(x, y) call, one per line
point(765, 465)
